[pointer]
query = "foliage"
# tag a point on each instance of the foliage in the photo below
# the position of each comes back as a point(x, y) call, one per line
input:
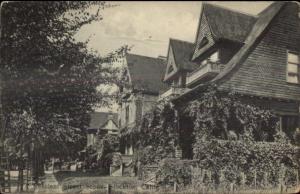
point(48, 75)
point(174, 170)
point(157, 135)
point(225, 116)
point(107, 147)
point(232, 157)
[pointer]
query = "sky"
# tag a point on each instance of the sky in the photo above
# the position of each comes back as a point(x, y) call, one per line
point(147, 26)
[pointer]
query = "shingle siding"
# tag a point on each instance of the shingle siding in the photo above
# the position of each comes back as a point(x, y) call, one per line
point(263, 73)
point(203, 31)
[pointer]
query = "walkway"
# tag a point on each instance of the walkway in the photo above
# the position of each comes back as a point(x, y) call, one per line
point(50, 184)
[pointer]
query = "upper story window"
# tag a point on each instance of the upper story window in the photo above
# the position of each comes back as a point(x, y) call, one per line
point(170, 68)
point(126, 115)
point(293, 68)
point(203, 42)
point(213, 58)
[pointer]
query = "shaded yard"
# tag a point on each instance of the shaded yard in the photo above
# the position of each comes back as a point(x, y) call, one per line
point(87, 182)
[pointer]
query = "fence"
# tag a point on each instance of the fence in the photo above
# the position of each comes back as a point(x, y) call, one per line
point(210, 182)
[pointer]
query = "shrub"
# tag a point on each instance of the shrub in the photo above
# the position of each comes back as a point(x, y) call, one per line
point(260, 158)
point(174, 170)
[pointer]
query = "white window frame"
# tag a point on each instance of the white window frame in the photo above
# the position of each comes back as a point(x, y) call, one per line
point(288, 74)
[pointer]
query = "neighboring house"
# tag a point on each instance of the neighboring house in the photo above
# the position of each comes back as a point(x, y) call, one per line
point(256, 56)
point(101, 123)
point(142, 82)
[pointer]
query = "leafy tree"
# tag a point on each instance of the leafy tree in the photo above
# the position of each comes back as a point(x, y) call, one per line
point(110, 144)
point(49, 79)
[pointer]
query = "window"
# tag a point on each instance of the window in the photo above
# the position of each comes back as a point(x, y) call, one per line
point(127, 115)
point(203, 42)
point(170, 68)
point(214, 57)
point(203, 62)
point(293, 66)
point(289, 125)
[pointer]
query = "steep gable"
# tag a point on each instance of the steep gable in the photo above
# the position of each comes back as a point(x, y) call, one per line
point(179, 57)
point(100, 119)
point(109, 125)
point(217, 23)
point(204, 38)
point(171, 68)
point(260, 67)
point(146, 73)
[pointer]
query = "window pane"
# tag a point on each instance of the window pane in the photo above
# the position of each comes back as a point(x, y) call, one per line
point(293, 58)
point(292, 68)
point(214, 57)
point(292, 79)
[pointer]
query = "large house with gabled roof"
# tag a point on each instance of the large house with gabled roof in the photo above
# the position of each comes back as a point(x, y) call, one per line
point(142, 82)
point(101, 123)
point(255, 56)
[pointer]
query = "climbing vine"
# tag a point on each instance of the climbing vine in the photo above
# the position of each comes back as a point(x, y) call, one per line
point(158, 134)
point(224, 116)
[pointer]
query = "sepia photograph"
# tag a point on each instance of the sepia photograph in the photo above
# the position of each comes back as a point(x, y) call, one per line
point(146, 97)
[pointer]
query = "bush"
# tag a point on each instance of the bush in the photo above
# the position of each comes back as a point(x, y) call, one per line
point(234, 157)
point(174, 170)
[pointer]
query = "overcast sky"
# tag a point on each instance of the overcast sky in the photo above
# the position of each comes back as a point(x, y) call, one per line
point(147, 26)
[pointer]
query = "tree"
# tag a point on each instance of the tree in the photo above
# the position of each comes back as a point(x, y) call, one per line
point(47, 76)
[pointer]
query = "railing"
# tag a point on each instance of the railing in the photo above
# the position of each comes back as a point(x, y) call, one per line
point(173, 91)
point(208, 70)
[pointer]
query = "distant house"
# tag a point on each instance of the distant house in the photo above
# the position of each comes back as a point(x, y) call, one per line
point(101, 123)
point(255, 56)
point(142, 82)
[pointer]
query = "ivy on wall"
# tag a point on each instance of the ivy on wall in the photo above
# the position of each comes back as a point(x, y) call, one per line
point(230, 137)
point(224, 116)
point(157, 135)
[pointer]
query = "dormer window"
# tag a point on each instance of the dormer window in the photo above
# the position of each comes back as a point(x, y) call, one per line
point(203, 42)
point(203, 62)
point(214, 57)
point(170, 68)
point(293, 68)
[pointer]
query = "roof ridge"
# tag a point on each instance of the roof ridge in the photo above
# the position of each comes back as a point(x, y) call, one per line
point(144, 56)
point(181, 40)
point(230, 9)
point(258, 28)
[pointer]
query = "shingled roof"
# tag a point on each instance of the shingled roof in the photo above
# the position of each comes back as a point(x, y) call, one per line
point(98, 119)
point(261, 24)
point(146, 73)
point(183, 52)
point(227, 24)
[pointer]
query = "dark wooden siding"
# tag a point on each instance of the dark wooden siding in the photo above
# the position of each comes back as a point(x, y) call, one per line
point(263, 73)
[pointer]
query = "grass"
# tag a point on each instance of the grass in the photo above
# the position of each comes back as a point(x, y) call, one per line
point(93, 182)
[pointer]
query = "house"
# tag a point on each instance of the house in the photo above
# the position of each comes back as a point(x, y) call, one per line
point(101, 123)
point(255, 56)
point(142, 80)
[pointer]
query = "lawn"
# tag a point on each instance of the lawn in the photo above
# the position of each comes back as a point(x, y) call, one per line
point(90, 182)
